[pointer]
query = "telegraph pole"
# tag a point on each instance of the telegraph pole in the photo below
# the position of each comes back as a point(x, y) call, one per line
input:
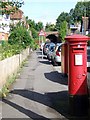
point(84, 19)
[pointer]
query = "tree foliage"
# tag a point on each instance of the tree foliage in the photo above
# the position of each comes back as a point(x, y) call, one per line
point(31, 23)
point(34, 27)
point(81, 9)
point(20, 36)
point(10, 6)
point(63, 30)
point(50, 27)
point(39, 26)
point(62, 17)
point(34, 33)
point(75, 15)
point(71, 16)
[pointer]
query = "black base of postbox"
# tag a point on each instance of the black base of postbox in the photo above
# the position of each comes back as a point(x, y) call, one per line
point(78, 105)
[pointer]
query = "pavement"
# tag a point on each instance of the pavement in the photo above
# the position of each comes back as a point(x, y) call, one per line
point(39, 93)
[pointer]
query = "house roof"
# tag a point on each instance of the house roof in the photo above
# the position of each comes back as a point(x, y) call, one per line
point(16, 15)
point(13, 11)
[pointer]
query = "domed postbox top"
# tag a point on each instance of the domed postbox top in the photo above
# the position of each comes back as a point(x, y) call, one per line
point(77, 37)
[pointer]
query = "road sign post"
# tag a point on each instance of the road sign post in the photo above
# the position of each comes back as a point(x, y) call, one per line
point(42, 34)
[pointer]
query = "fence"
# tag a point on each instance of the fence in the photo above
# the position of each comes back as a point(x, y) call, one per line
point(10, 65)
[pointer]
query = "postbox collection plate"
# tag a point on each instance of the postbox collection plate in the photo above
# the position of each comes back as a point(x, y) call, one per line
point(78, 59)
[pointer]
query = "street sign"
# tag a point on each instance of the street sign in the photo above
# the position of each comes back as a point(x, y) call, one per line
point(42, 33)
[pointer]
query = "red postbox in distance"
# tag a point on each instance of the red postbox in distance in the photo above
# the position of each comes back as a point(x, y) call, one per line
point(77, 74)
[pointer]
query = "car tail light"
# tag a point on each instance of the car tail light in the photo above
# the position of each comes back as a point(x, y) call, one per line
point(57, 53)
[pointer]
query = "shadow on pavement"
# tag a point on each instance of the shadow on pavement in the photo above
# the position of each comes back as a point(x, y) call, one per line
point(56, 100)
point(55, 76)
point(40, 57)
point(25, 111)
point(38, 52)
point(88, 69)
point(45, 62)
point(45, 99)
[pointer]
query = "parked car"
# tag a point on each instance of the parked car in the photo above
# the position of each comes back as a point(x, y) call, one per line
point(88, 56)
point(88, 81)
point(88, 67)
point(51, 50)
point(56, 55)
point(46, 48)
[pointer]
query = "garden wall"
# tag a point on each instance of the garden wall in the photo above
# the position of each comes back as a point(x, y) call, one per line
point(10, 65)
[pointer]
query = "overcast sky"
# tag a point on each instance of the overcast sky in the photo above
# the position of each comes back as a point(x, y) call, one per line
point(46, 10)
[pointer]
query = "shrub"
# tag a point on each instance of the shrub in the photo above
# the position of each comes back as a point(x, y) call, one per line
point(34, 33)
point(20, 36)
point(63, 30)
point(8, 50)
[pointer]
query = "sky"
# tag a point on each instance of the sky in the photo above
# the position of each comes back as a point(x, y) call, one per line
point(46, 11)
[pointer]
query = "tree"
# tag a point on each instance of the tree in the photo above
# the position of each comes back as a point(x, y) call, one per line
point(31, 23)
point(71, 16)
point(88, 9)
point(34, 33)
point(50, 27)
point(81, 9)
point(63, 30)
point(20, 36)
point(62, 17)
point(78, 11)
point(75, 15)
point(10, 6)
point(39, 26)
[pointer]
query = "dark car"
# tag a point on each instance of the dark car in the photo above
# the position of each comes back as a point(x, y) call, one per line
point(88, 56)
point(46, 48)
point(51, 50)
point(88, 67)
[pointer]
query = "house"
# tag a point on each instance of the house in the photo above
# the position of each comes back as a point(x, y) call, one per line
point(16, 17)
point(10, 19)
point(6, 20)
point(4, 26)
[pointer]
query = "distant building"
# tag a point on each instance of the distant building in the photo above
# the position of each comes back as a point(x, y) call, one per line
point(16, 17)
point(4, 26)
point(73, 29)
point(10, 19)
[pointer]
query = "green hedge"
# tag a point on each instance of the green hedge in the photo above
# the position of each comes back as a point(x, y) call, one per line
point(7, 50)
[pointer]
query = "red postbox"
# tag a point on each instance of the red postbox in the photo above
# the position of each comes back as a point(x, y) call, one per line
point(77, 74)
point(64, 58)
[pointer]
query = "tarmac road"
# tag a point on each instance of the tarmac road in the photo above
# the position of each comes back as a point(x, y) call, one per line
point(40, 92)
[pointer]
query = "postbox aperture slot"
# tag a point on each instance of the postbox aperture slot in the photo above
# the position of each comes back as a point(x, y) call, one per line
point(80, 50)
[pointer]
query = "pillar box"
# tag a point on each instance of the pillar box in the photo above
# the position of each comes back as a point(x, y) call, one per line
point(64, 58)
point(77, 74)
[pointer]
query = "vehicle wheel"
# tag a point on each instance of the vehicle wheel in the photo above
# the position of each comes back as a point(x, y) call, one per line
point(54, 62)
point(59, 63)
